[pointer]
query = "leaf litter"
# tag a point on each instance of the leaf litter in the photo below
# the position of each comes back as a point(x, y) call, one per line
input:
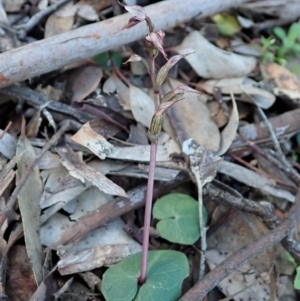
point(90, 186)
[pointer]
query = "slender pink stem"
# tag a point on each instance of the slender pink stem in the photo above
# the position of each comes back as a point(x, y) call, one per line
point(147, 217)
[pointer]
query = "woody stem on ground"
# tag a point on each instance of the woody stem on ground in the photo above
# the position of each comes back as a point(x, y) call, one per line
point(150, 184)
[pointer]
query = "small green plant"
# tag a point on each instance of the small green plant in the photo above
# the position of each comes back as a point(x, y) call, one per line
point(279, 51)
point(289, 40)
point(290, 258)
point(158, 276)
point(178, 218)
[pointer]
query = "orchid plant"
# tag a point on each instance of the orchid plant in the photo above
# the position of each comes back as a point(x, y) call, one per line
point(156, 46)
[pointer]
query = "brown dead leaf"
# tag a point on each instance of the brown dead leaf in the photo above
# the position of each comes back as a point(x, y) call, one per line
point(61, 21)
point(190, 118)
point(19, 279)
point(286, 82)
point(82, 171)
point(114, 84)
point(82, 81)
point(217, 113)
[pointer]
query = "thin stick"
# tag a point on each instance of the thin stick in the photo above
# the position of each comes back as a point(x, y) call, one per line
point(148, 207)
point(12, 200)
point(5, 130)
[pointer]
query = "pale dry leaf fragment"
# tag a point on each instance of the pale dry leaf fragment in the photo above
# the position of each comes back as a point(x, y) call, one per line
point(241, 85)
point(8, 145)
point(29, 199)
point(229, 132)
point(114, 84)
point(88, 201)
point(245, 283)
point(142, 106)
point(254, 180)
point(95, 142)
point(141, 153)
point(87, 12)
point(60, 187)
point(61, 21)
point(83, 81)
point(92, 258)
point(191, 119)
point(77, 167)
point(210, 61)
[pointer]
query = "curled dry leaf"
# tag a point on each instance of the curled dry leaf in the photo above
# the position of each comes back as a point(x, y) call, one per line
point(229, 132)
point(241, 85)
point(211, 62)
point(95, 142)
point(81, 170)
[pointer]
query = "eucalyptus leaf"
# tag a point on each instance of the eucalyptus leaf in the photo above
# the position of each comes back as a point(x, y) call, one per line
point(166, 271)
point(179, 218)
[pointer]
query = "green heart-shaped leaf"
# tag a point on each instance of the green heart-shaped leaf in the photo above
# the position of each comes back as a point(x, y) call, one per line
point(166, 271)
point(179, 218)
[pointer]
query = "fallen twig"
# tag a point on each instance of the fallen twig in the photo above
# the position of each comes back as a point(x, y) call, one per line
point(53, 53)
point(236, 260)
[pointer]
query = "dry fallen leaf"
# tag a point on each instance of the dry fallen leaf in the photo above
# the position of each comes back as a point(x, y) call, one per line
point(141, 105)
point(95, 142)
point(114, 84)
point(82, 171)
point(191, 119)
point(61, 21)
point(29, 207)
point(286, 82)
point(83, 81)
point(210, 61)
point(229, 132)
point(241, 85)
point(245, 283)
point(253, 179)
